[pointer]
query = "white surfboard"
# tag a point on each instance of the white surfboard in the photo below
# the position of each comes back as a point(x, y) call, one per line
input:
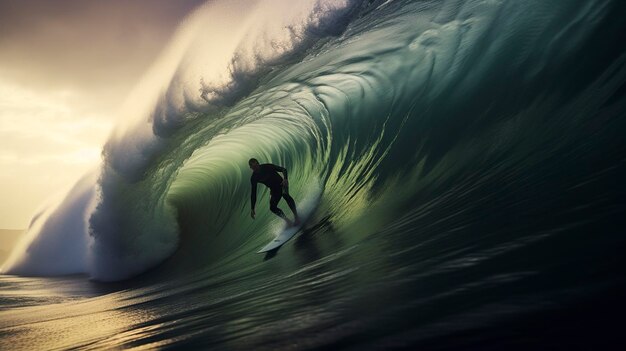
point(282, 238)
point(305, 210)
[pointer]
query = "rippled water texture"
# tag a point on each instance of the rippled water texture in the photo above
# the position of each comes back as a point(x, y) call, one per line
point(463, 160)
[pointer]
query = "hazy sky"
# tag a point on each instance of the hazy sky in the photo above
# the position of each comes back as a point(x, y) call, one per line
point(65, 68)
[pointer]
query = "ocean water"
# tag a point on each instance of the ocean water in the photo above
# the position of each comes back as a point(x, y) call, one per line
point(463, 162)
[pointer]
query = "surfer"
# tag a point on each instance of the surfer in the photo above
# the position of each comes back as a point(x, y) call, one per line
point(267, 174)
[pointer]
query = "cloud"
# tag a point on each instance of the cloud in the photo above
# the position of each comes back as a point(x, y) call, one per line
point(103, 47)
point(46, 143)
point(31, 121)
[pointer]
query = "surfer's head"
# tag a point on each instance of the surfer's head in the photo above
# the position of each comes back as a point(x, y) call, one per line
point(254, 164)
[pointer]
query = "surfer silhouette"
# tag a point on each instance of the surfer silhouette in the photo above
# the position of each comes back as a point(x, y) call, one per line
point(267, 174)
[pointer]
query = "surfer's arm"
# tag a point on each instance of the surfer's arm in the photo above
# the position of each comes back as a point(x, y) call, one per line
point(283, 170)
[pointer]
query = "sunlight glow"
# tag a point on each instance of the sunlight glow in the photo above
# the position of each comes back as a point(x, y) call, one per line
point(47, 141)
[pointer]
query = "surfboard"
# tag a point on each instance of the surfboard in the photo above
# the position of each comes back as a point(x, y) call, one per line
point(306, 209)
point(282, 238)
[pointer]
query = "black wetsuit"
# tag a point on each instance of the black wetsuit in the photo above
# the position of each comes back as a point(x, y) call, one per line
point(268, 175)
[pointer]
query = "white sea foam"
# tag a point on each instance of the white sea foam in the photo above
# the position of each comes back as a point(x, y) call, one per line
point(57, 241)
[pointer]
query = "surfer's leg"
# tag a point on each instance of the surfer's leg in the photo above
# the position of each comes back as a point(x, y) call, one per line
point(274, 199)
point(292, 205)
